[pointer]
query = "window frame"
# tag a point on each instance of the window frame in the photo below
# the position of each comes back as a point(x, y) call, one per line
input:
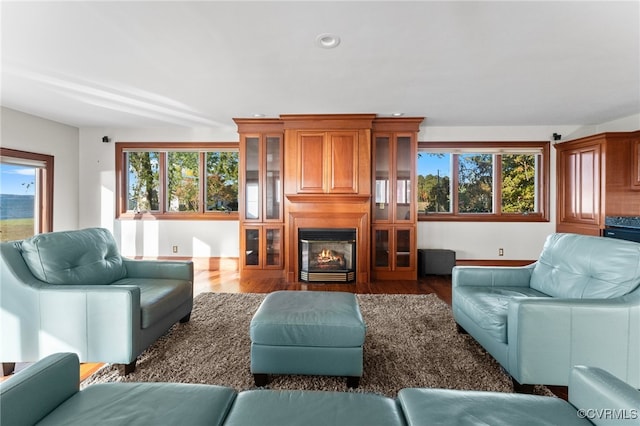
point(163, 147)
point(44, 186)
point(496, 148)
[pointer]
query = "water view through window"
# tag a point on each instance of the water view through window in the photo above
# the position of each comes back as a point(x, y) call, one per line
point(17, 201)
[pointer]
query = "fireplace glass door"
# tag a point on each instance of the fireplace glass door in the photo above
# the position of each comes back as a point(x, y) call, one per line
point(327, 255)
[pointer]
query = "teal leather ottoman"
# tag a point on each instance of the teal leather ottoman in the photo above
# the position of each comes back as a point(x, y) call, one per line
point(309, 333)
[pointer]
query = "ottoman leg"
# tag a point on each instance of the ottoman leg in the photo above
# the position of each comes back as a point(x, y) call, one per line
point(261, 379)
point(353, 382)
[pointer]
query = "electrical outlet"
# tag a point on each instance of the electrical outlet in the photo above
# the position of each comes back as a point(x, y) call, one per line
point(175, 249)
point(500, 252)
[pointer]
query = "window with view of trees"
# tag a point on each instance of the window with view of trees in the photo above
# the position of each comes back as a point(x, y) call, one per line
point(501, 181)
point(187, 180)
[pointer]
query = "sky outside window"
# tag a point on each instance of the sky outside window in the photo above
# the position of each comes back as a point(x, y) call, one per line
point(17, 180)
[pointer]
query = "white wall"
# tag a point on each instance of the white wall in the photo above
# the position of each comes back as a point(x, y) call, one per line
point(148, 238)
point(26, 132)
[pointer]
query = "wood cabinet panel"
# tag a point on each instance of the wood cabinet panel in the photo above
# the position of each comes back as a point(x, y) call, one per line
point(311, 163)
point(635, 164)
point(343, 170)
point(589, 176)
point(580, 168)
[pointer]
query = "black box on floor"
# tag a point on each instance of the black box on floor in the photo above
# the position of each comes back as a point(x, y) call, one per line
point(435, 261)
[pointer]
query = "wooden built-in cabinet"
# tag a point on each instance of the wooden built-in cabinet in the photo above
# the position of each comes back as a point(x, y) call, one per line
point(394, 188)
point(319, 171)
point(596, 177)
point(261, 197)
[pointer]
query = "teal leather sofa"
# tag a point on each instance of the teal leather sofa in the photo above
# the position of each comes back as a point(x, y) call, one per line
point(72, 291)
point(579, 303)
point(47, 393)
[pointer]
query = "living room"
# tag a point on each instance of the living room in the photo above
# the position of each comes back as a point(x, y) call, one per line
point(519, 73)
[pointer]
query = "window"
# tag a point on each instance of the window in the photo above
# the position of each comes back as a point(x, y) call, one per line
point(476, 181)
point(177, 180)
point(26, 194)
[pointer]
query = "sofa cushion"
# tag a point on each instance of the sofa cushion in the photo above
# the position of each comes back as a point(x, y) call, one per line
point(308, 408)
point(144, 404)
point(574, 266)
point(445, 407)
point(84, 257)
point(488, 306)
point(158, 296)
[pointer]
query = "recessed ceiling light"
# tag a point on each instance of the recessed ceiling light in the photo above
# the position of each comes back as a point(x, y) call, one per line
point(258, 115)
point(327, 40)
point(397, 114)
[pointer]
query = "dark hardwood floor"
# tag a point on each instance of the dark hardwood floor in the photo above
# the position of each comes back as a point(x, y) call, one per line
point(230, 282)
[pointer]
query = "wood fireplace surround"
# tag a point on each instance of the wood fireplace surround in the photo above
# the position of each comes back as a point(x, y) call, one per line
point(326, 177)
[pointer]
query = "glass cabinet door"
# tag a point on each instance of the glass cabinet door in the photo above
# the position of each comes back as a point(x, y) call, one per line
point(274, 246)
point(273, 178)
point(381, 248)
point(404, 163)
point(252, 179)
point(381, 186)
point(403, 248)
point(252, 246)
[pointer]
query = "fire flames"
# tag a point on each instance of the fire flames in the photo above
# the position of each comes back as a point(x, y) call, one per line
point(330, 257)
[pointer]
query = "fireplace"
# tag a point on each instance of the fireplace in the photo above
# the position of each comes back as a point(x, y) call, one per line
point(327, 254)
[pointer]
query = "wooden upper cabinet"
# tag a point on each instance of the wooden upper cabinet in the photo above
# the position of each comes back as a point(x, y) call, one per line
point(580, 180)
point(328, 162)
point(635, 161)
point(328, 154)
point(597, 176)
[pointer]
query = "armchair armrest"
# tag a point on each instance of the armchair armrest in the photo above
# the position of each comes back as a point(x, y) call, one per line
point(98, 322)
point(548, 336)
point(603, 398)
point(492, 276)
point(180, 270)
point(31, 394)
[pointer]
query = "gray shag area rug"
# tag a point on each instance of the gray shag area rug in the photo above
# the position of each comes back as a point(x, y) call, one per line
point(411, 341)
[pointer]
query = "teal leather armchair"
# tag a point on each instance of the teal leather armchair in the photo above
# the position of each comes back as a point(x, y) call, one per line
point(579, 303)
point(73, 292)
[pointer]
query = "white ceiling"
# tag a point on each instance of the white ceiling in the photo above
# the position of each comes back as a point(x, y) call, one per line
point(198, 64)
